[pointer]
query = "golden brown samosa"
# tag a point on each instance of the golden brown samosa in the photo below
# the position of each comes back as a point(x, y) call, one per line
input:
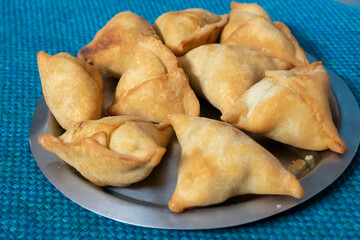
point(240, 13)
point(219, 161)
point(72, 88)
point(113, 151)
point(184, 30)
point(291, 107)
point(250, 27)
point(222, 73)
point(154, 86)
point(112, 48)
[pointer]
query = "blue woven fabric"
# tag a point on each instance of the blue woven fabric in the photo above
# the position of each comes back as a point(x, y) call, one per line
point(30, 207)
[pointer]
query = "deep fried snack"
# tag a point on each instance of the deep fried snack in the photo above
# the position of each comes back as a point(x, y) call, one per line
point(251, 27)
point(291, 107)
point(113, 151)
point(112, 48)
point(154, 86)
point(222, 73)
point(219, 161)
point(184, 30)
point(72, 88)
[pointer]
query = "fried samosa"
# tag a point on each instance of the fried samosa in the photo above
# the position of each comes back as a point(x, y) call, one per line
point(72, 88)
point(184, 30)
point(112, 48)
point(219, 161)
point(222, 73)
point(154, 86)
point(113, 151)
point(291, 107)
point(250, 27)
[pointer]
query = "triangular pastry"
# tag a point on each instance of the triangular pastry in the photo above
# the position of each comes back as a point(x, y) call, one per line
point(250, 27)
point(112, 48)
point(222, 73)
point(73, 89)
point(113, 151)
point(240, 13)
point(291, 107)
point(219, 161)
point(154, 86)
point(184, 30)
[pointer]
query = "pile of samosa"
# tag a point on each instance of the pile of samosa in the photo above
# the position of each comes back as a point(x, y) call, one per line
point(249, 67)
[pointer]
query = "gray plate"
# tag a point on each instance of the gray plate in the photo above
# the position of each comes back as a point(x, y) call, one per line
point(145, 203)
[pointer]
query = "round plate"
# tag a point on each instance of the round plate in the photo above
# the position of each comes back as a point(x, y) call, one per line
point(145, 203)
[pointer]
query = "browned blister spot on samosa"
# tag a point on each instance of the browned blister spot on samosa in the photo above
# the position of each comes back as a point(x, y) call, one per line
point(112, 48)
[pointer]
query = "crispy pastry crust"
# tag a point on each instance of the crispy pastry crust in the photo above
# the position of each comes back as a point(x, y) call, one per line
point(291, 107)
point(251, 28)
point(154, 86)
point(222, 73)
point(184, 30)
point(68, 81)
point(113, 151)
point(112, 48)
point(219, 161)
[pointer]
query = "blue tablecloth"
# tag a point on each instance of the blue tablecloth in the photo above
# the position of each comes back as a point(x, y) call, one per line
point(30, 207)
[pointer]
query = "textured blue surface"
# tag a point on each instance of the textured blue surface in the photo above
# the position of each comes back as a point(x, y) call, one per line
point(30, 207)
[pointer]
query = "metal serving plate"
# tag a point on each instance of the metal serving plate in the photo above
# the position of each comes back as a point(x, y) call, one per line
point(145, 203)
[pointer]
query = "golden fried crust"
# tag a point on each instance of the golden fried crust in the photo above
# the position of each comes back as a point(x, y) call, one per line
point(300, 57)
point(184, 30)
point(222, 73)
point(112, 47)
point(240, 13)
point(113, 151)
point(72, 88)
point(218, 161)
point(249, 27)
point(154, 86)
point(291, 107)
